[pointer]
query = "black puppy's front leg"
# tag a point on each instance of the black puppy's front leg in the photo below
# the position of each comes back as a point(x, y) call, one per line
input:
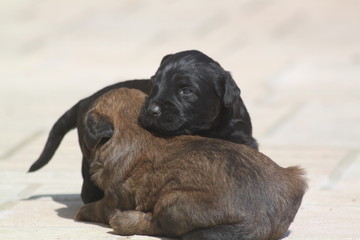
point(99, 129)
point(89, 192)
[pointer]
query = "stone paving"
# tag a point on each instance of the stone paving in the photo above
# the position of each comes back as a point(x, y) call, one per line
point(296, 62)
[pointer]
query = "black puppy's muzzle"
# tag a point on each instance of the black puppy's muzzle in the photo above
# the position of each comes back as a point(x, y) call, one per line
point(154, 109)
point(161, 117)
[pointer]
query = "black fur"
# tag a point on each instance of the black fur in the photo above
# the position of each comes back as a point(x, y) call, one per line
point(193, 94)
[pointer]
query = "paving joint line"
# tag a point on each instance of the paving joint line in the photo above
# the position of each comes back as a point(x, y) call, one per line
point(340, 169)
point(24, 142)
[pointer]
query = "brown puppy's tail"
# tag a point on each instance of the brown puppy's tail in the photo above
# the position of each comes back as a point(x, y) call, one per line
point(296, 186)
point(62, 126)
point(222, 232)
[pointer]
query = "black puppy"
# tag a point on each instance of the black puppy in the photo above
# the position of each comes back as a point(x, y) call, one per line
point(229, 120)
point(193, 94)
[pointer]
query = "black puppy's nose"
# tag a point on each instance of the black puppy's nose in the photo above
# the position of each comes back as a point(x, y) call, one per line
point(154, 109)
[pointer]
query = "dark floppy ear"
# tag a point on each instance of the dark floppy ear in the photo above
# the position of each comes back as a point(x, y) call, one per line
point(231, 90)
point(98, 129)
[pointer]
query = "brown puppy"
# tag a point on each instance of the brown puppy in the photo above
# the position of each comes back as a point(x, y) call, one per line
point(188, 186)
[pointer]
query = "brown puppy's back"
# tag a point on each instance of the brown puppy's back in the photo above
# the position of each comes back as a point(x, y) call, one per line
point(184, 185)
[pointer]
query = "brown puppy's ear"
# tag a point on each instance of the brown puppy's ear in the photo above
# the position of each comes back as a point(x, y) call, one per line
point(231, 90)
point(98, 129)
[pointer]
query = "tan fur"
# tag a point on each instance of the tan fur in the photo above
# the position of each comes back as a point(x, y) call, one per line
point(173, 186)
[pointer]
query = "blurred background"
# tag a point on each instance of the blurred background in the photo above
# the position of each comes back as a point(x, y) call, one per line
point(297, 64)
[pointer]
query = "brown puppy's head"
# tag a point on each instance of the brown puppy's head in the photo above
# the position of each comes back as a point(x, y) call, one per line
point(102, 120)
point(112, 130)
point(189, 92)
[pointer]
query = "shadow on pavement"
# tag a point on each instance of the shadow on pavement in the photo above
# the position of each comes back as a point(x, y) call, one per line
point(72, 203)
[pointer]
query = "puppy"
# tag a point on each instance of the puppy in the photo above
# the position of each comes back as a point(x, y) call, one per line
point(216, 111)
point(184, 186)
point(193, 94)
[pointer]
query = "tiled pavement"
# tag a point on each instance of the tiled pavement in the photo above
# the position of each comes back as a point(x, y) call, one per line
point(297, 63)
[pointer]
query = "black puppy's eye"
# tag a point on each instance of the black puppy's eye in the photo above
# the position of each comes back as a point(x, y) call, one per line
point(185, 91)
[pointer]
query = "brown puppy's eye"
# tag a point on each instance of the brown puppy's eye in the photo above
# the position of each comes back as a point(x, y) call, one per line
point(185, 91)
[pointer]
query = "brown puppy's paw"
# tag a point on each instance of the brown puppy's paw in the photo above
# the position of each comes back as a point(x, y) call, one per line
point(91, 212)
point(95, 212)
point(82, 214)
point(131, 223)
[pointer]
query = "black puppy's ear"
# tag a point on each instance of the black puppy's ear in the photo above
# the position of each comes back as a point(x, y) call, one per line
point(231, 90)
point(98, 129)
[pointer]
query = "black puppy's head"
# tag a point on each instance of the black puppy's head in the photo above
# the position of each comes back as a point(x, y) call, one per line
point(189, 92)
